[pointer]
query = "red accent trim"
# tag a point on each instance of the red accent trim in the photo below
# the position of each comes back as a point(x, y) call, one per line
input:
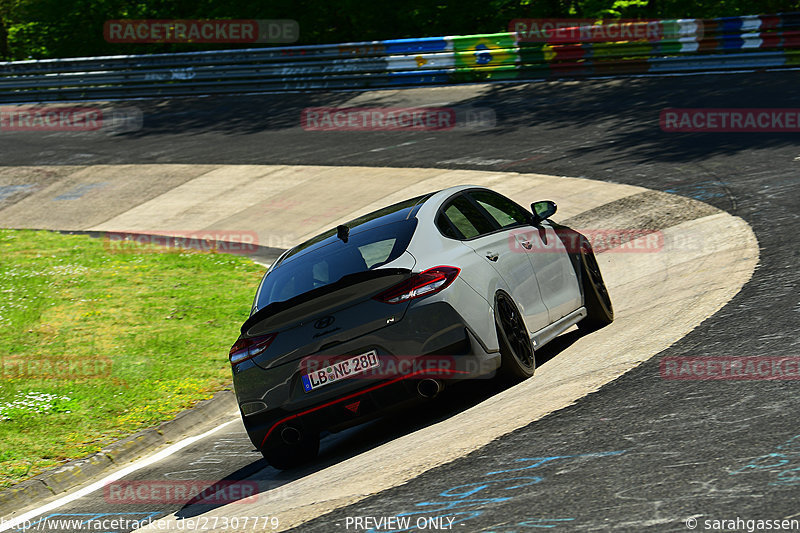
point(353, 395)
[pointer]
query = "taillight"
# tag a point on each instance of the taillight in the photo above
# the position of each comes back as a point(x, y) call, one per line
point(245, 349)
point(425, 283)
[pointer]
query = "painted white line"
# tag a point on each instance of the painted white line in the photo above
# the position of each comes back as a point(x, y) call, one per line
point(394, 146)
point(166, 452)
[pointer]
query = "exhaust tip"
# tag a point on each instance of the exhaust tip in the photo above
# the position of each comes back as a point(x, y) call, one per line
point(429, 388)
point(291, 435)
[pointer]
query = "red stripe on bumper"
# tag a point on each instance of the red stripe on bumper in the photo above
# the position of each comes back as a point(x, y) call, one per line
point(355, 394)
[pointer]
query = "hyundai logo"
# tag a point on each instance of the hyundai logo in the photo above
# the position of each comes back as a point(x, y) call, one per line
point(324, 322)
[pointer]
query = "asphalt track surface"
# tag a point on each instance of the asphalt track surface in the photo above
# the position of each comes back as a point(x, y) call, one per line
point(641, 454)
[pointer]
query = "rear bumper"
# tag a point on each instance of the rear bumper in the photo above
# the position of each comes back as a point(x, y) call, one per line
point(350, 410)
point(431, 342)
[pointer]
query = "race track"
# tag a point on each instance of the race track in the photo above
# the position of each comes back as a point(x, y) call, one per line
point(610, 443)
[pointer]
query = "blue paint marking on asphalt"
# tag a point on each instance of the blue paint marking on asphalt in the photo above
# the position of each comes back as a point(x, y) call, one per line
point(532, 480)
point(704, 190)
point(437, 510)
point(79, 191)
point(539, 522)
point(533, 522)
point(784, 463)
point(539, 461)
point(9, 190)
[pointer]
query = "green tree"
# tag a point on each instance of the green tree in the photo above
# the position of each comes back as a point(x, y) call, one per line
point(70, 28)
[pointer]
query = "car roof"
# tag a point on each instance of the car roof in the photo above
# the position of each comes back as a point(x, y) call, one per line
point(426, 203)
point(386, 215)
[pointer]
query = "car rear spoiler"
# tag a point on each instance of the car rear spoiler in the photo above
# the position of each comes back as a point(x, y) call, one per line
point(361, 285)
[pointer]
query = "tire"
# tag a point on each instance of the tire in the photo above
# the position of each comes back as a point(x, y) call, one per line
point(285, 456)
point(600, 312)
point(517, 357)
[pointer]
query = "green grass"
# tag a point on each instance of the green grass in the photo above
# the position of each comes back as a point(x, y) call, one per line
point(146, 332)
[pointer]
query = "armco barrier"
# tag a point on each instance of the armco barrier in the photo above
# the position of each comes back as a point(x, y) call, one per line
point(686, 45)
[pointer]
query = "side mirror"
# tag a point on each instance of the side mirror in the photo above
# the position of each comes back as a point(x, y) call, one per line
point(543, 210)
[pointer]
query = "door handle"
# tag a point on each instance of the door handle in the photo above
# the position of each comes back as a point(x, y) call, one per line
point(526, 244)
point(492, 256)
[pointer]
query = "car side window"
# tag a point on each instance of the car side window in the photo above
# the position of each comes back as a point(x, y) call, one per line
point(465, 218)
point(505, 212)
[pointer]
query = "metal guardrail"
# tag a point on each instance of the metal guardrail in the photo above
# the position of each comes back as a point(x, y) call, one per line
point(686, 45)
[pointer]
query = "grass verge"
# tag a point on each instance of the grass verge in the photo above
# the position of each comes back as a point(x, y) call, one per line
point(97, 343)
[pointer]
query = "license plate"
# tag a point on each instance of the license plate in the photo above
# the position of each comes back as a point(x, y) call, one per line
point(344, 369)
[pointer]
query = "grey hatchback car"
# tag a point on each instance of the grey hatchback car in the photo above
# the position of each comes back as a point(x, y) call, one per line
point(386, 309)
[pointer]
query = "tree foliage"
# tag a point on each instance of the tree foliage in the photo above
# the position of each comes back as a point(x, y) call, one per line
point(38, 29)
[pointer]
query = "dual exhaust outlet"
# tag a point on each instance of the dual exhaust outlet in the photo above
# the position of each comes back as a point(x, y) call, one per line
point(426, 388)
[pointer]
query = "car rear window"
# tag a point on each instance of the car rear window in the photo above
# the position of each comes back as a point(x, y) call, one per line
point(364, 250)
